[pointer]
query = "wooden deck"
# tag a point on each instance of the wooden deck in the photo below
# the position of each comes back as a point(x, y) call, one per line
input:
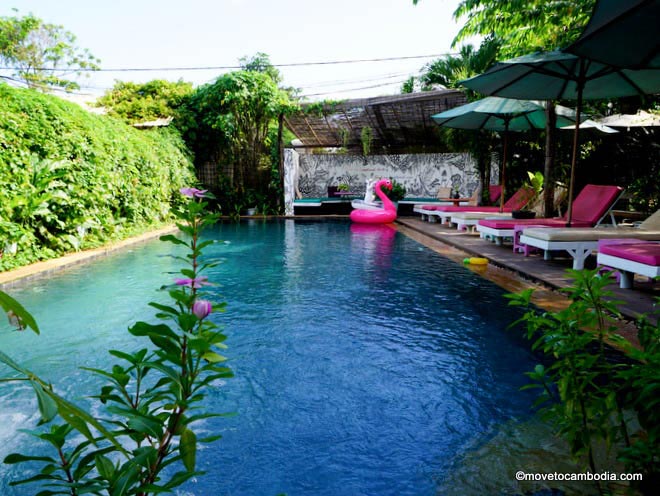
point(551, 274)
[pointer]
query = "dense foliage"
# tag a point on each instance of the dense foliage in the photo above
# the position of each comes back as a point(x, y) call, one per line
point(593, 395)
point(42, 55)
point(232, 126)
point(135, 102)
point(71, 179)
point(524, 26)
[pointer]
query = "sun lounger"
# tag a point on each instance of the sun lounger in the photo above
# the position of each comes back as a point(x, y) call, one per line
point(444, 199)
point(580, 242)
point(516, 202)
point(631, 258)
point(466, 220)
point(590, 207)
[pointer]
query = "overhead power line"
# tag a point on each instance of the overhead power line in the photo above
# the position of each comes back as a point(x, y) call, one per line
point(356, 89)
point(216, 68)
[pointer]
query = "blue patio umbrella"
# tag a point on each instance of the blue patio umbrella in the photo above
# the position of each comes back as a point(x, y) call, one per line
point(622, 33)
point(501, 114)
point(563, 76)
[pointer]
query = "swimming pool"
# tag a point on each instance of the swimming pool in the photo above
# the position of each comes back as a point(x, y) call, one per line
point(365, 363)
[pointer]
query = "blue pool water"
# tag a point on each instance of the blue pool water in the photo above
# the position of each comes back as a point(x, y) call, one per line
point(365, 363)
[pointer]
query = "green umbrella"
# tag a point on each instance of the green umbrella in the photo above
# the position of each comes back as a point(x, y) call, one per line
point(501, 114)
point(563, 76)
point(622, 33)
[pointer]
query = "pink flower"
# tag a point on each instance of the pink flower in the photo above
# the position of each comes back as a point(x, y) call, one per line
point(195, 283)
point(202, 308)
point(193, 192)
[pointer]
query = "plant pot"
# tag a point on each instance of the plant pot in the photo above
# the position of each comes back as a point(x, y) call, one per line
point(332, 191)
point(523, 214)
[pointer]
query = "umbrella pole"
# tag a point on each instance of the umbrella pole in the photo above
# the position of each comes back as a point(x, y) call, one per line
point(506, 139)
point(578, 107)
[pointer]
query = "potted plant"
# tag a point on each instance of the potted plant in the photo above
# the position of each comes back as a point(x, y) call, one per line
point(536, 183)
point(398, 191)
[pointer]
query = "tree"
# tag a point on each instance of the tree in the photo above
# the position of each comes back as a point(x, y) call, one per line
point(523, 26)
point(42, 55)
point(260, 62)
point(134, 102)
point(408, 85)
point(232, 120)
point(450, 70)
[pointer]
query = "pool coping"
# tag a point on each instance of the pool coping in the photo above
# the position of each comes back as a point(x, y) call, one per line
point(48, 267)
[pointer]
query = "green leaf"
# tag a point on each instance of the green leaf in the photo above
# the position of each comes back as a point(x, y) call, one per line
point(145, 425)
point(47, 406)
point(145, 329)
point(105, 467)
point(124, 356)
point(128, 475)
point(10, 304)
point(19, 458)
point(173, 239)
point(164, 308)
point(79, 419)
point(188, 449)
point(213, 357)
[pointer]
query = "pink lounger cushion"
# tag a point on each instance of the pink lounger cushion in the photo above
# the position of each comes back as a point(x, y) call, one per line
point(516, 202)
point(543, 222)
point(588, 208)
point(494, 191)
point(644, 253)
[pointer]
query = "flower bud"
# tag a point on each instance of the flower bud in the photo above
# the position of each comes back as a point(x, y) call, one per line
point(202, 308)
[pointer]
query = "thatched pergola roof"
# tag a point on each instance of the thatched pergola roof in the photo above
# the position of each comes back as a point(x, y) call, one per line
point(396, 122)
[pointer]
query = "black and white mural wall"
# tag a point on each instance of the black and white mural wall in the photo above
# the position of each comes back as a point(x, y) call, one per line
point(309, 175)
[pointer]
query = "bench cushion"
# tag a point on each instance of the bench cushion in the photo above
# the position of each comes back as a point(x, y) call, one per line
point(644, 253)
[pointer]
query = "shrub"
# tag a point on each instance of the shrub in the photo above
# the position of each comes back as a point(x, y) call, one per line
point(72, 179)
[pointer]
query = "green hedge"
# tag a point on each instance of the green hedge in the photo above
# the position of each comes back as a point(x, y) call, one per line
point(70, 179)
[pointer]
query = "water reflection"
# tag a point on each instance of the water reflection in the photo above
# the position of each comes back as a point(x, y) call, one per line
point(375, 241)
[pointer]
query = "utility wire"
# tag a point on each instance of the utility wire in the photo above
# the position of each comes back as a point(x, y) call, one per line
point(19, 82)
point(322, 84)
point(214, 68)
point(356, 89)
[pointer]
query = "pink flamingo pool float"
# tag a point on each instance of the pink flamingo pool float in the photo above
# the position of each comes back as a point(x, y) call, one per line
point(383, 215)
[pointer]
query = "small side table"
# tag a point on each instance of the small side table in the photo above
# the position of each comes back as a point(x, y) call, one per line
point(456, 201)
point(517, 245)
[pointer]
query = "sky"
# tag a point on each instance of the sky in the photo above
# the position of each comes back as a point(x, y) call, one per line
point(131, 34)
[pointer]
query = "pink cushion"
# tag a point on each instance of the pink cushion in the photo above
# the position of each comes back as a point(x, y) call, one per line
point(644, 253)
point(516, 202)
point(593, 202)
point(466, 208)
point(519, 199)
point(542, 222)
point(588, 207)
point(617, 241)
point(495, 191)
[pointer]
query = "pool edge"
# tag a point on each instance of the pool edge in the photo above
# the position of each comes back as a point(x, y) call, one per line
point(47, 267)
